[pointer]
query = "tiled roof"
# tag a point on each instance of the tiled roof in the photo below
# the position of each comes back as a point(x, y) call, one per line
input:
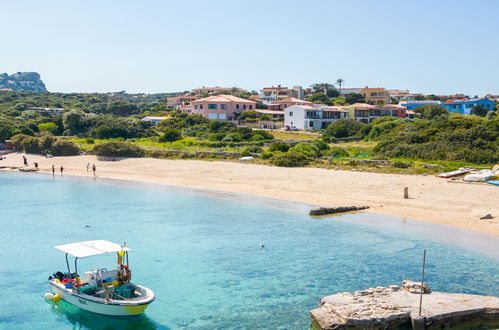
point(223, 98)
point(457, 101)
point(292, 100)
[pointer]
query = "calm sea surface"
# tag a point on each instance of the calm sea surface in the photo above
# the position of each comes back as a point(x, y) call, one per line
point(200, 253)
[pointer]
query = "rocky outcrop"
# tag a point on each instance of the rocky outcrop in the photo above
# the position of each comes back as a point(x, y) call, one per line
point(22, 81)
point(392, 307)
point(317, 211)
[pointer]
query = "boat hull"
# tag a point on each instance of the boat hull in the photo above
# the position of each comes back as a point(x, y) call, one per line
point(98, 305)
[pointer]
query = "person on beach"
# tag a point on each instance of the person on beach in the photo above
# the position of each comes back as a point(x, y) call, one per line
point(53, 170)
point(36, 164)
point(62, 169)
point(25, 161)
point(93, 168)
point(88, 166)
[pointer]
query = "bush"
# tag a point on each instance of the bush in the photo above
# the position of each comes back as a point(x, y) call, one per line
point(61, 147)
point(344, 128)
point(338, 152)
point(118, 149)
point(45, 144)
point(31, 145)
point(254, 149)
point(267, 155)
point(308, 149)
point(290, 159)
point(279, 146)
point(90, 140)
point(18, 139)
point(171, 135)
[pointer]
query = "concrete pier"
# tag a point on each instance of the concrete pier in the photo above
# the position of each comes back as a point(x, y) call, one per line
point(392, 307)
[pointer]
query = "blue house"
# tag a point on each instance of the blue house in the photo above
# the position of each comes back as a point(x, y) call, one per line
point(464, 106)
point(411, 105)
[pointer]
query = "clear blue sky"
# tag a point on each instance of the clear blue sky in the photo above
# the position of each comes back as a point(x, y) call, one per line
point(439, 46)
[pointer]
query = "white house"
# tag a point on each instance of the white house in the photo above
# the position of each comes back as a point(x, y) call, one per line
point(312, 116)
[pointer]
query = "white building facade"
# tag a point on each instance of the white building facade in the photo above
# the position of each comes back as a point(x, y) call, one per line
point(306, 117)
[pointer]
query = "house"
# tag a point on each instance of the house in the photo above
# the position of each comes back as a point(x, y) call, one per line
point(222, 107)
point(287, 102)
point(275, 114)
point(346, 91)
point(376, 96)
point(49, 110)
point(464, 106)
point(272, 94)
point(366, 113)
point(275, 121)
point(311, 117)
point(180, 100)
point(200, 92)
point(402, 94)
point(411, 105)
point(154, 120)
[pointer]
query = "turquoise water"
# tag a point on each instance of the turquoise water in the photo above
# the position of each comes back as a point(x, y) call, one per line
point(200, 253)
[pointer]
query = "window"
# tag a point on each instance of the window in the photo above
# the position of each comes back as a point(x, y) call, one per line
point(196, 106)
point(237, 106)
point(222, 106)
point(250, 106)
point(212, 106)
point(291, 113)
point(222, 116)
point(201, 106)
point(212, 116)
point(244, 106)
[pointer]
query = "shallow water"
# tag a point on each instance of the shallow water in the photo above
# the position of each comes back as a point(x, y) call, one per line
point(200, 253)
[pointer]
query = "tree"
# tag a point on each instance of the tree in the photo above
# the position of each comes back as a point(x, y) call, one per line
point(431, 111)
point(48, 127)
point(248, 114)
point(332, 93)
point(121, 108)
point(322, 87)
point(73, 121)
point(340, 82)
point(479, 110)
point(354, 98)
point(491, 115)
point(318, 98)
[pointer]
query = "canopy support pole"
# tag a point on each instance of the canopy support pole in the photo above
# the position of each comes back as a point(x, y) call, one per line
point(67, 263)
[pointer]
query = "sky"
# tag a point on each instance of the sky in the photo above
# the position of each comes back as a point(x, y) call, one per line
point(440, 47)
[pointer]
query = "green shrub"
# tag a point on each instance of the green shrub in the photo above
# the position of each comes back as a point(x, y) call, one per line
point(45, 144)
point(118, 149)
point(254, 149)
point(338, 152)
point(62, 147)
point(290, 159)
point(170, 135)
point(279, 146)
point(90, 140)
point(31, 145)
point(308, 149)
point(18, 139)
point(267, 155)
point(320, 144)
point(343, 128)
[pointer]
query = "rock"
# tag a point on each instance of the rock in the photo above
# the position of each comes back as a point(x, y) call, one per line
point(415, 287)
point(22, 81)
point(317, 211)
point(486, 217)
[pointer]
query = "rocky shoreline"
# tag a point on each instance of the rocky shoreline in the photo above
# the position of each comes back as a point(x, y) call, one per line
point(393, 307)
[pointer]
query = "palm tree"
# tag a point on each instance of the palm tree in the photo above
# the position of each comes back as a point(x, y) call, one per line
point(340, 82)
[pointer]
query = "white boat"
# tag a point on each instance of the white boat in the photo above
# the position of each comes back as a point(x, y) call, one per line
point(482, 176)
point(102, 291)
point(461, 171)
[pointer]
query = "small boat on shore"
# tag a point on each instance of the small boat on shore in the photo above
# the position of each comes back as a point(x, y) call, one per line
point(461, 171)
point(482, 176)
point(101, 291)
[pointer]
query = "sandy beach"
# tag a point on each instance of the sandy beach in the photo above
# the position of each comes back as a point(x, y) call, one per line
point(431, 199)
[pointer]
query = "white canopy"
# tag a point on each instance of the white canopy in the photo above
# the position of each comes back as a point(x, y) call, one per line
point(90, 248)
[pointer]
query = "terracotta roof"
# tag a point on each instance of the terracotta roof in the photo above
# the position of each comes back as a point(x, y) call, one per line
point(223, 98)
point(363, 105)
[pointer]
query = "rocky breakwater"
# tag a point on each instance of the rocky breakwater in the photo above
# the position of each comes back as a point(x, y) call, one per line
point(393, 307)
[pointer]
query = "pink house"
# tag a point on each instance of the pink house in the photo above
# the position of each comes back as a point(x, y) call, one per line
point(222, 107)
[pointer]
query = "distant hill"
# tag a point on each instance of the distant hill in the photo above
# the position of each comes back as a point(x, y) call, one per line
point(22, 81)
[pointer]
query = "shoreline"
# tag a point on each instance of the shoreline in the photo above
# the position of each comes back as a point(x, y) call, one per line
point(431, 199)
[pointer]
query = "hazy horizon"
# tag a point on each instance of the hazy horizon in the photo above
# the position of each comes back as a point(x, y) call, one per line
point(443, 47)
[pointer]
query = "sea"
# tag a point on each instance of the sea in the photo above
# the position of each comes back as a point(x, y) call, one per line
point(216, 260)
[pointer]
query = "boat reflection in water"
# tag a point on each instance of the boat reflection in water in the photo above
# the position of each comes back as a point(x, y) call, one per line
point(82, 319)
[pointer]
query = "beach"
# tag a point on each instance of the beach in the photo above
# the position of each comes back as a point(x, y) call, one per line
point(431, 199)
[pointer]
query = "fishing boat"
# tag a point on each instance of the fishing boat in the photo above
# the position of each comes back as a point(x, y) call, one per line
point(101, 291)
point(461, 171)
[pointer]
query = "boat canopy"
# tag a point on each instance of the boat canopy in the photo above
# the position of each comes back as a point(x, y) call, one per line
point(91, 248)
